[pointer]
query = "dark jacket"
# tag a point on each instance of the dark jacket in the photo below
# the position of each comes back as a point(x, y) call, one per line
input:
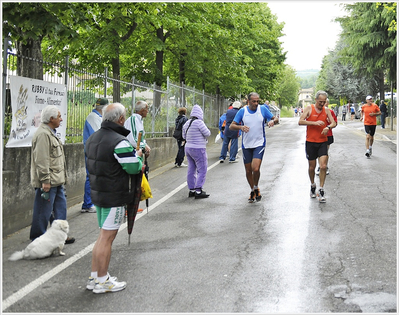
point(231, 113)
point(108, 181)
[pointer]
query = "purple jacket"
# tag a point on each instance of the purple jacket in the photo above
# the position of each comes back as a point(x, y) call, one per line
point(198, 132)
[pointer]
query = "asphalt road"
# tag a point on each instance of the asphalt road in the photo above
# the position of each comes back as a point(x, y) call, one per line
point(285, 254)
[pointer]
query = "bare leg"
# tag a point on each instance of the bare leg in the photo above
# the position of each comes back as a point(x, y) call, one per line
point(101, 255)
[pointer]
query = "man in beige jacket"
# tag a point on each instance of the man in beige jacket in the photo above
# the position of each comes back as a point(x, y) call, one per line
point(48, 174)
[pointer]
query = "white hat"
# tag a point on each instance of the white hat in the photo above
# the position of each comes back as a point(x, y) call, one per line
point(236, 104)
point(369, 97)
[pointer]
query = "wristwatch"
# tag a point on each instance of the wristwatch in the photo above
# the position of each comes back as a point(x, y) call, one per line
point(328, 127)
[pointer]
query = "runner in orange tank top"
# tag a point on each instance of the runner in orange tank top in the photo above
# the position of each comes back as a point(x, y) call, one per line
point(315, 118)
point(370, 111)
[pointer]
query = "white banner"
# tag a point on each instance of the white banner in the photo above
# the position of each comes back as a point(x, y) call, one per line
point(28, 98)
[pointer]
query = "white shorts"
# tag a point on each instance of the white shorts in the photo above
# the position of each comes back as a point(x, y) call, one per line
point(110, 218)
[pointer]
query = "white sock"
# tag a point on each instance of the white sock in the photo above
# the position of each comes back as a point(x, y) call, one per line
point(93, 274)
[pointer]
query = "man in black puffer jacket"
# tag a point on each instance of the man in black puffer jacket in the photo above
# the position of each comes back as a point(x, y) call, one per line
point(110, 161)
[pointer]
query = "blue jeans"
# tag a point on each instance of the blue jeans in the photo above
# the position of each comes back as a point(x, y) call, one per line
point(197, 160)
point(233, 148)
point(46, 211)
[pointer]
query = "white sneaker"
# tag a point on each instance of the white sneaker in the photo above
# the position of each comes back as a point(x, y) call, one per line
point(313, 191)
point(368, 153)
point(183, 165)
point(318, 171)
point(321, 195)
point(90, 210)
point(91, 283)
point(110, 285)
point(328, 171)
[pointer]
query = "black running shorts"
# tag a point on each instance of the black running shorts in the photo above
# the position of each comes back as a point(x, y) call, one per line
point(315, 150)
point(370, 129)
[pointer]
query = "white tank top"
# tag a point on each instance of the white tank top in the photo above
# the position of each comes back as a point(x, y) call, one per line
point(256, 135)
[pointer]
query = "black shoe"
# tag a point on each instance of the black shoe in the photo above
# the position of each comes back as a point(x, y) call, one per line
point(201, 195)
point(251, 198)
point(191, 193)
point(70, 240)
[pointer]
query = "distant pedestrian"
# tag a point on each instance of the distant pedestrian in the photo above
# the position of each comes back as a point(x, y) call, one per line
point(318, 121)
point(135, 124)
point(250, 120)
point(111, 159)
point(370, 111)
point(92, 124)
point(181, 119)
point(384, 113)
point(352, 108)
point(196, 133)
point(48, 174)
point(344, 112)
point(230, 136)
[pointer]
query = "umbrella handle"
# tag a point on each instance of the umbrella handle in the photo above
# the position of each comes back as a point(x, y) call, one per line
point(139, 140)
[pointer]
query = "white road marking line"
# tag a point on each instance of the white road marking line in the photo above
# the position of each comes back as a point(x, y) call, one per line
point(20, 294)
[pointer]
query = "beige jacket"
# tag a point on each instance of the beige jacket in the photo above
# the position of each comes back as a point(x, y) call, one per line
point(48, 163)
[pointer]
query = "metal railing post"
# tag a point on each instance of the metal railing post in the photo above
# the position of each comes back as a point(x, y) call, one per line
point(133, 95)
point(5, 55)
point(66, 71)
point(105, 82)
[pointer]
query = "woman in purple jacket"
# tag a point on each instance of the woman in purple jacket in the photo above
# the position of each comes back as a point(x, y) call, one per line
point(196, 133)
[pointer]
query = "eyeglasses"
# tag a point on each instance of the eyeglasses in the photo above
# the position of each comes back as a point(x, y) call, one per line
point(254, 101)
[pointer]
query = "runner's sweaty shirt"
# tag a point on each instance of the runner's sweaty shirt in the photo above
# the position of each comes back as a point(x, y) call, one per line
point(313, 133)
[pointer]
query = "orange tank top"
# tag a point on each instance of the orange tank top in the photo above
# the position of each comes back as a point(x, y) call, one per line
point(313, 133)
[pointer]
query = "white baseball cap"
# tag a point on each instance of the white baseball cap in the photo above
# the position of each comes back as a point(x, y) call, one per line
point(369, 97)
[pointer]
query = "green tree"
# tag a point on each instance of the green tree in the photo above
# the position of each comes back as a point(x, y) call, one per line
point(288, 87)
point(27, 24)
point(369, 32)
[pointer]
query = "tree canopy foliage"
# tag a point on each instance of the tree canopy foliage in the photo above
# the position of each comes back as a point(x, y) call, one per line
point(365, 56)
point(369, 32)
point(217, 46)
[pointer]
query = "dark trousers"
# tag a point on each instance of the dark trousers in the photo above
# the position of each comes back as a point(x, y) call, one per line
point(180, 153)
point(45, 211)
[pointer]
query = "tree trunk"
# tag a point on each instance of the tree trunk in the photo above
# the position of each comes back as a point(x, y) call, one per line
point(25, 66)
point(182, 68)
point(116, 87)
point(381, 84)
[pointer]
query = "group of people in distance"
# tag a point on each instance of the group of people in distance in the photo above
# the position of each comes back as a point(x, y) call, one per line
point(112, 154)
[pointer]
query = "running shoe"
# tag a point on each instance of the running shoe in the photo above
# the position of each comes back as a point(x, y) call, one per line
point(321, 196)
point(251, 198)
point(328, 171)
point(368, 153)
point(110, 285)
point(318, 171)
point(91, 283)
point(313, 191)
point(258, 196)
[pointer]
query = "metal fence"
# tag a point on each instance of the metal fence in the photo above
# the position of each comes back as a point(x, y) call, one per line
point(84, 87)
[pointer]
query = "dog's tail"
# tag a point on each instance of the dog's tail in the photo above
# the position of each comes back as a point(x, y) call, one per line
point(17, 256)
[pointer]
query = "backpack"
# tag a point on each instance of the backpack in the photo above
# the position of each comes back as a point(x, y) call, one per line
point(178, 133)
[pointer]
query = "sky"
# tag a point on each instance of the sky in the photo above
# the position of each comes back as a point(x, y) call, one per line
point(310, 30)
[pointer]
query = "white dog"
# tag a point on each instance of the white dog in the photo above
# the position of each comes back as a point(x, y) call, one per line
point(51, 242)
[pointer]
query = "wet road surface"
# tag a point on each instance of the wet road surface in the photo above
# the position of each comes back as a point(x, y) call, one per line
point(285, 254)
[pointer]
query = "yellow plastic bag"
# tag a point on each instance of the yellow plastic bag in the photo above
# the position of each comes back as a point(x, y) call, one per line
point(145, 189)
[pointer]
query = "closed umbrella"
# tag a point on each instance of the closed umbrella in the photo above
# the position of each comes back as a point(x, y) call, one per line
point(132, 207)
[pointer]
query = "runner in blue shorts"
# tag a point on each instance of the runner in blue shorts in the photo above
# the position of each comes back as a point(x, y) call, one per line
point(252, 118)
